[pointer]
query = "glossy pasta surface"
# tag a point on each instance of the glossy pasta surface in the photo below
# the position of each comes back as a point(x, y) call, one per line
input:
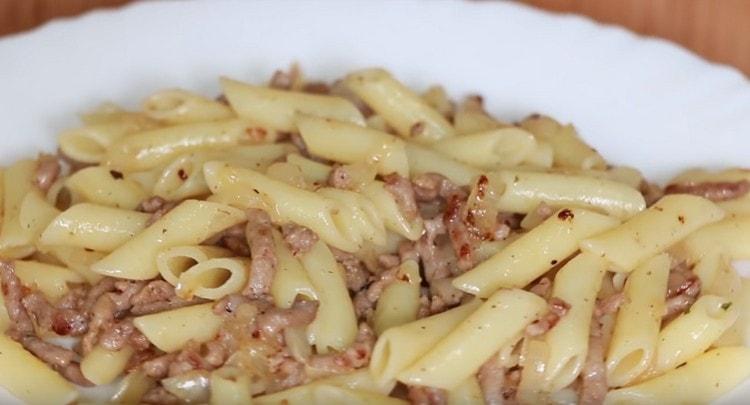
point(362, 242)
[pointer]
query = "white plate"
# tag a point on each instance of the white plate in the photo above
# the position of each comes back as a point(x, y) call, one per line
point(641, 102)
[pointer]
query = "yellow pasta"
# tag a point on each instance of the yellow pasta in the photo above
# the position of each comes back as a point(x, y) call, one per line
point(399, 303)
point(503, 147)
point(177, 106)
point(702, 380)
point(89, 143)
point(534, 253)
point(653, 230)
point(403, 110)
point(102, 366)
point(15, 240)
point(569, 149)
point(524, 190)
point(214, 278)
point(423, 160)
point(171, 330)
point(51, 280)
point(102, 186)
point(349, 143)
point(35, 214)
point(277, 108)
point(290, 279)
point(634, 341)
point(230, 386)
point(94, 227)
point(191, 222)
point(335, 324)
point(21, 374)
point(174, 261)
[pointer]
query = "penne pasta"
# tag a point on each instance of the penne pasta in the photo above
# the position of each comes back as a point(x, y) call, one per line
point(492, 149)
point(214, 278)
point(171, 330)
point(399, 303)
point(174, 261)
point(101, 186)
point(177, 106)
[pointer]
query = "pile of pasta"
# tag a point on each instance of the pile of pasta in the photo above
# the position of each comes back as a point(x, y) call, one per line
point(358, 242)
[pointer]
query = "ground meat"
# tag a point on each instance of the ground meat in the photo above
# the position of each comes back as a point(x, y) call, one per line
point(459, 234)
point(286, 371)
point(299, 238)
point(683, 289)
point(419, 395)
point(273, 321)
point(714, 191)
point(402, 191)
point(430, 186)
point(491, 377)
point(157, 207)
point(435, 259)
point(108, 307)
point(557, 309)
point(13, 292)
point(542, 288)
point(158, 367)
point(316, 88)
point(238, 245)
point(259, 234)
point(60, 359)
point(387, 261)
point(609, 305)
point(510, 385)
point(196, 356)
point(158, 296)
point(340, 178)
point(159, 396)
point(47, 171)
point(62, 321)
point(285, 80)
point(594, 371)
point(354, 357)
point(355, 273)
point(651, 192)
point(114, 337)
point(407, 250)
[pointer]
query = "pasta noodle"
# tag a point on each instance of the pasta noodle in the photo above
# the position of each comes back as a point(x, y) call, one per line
point(173, 262)
point(171, 330)
point(209, 278)
point(504, 147)
point(399, 303)
point(182, 107)
point(98, 185)
point(533, 253)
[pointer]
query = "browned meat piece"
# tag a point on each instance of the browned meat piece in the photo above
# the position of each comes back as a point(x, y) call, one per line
point(13, 292)
point(157, 207)
point(355, 273)
point(459, 234)
point(651, 192)
point(47, 171)
point(491, 377)
point(61, 321)
point(285, 80)
point(714, 191)
point(430, 186)
point(402, 191)
point(542, 288)
point(557, 309)
point(609, 305)
point(159, 396)
point(683, 289)
point(60, 359)
point(158, 367)
point(299, 238)
point(229, 304)
point(238, 245)
point(258, 232)
point(316, 88)
point(272, 322)
point(340, 178)
point(510, 385)
point(435, 259)
point(114, 337)
point(195, 356)
point(419, 395)
point(354, 357)
point(158, 296)
point(594, 372)
point(387, 261)
point(286, 372)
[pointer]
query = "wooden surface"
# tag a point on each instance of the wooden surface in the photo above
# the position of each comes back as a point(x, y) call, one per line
point(717, 29)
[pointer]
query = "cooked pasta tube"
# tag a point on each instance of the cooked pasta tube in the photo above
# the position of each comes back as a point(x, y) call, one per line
point(174, 261)
point(171, 330)
point(99, 185)
point(314, 172)
point(405, 111)
point(577, 283)
point(15, 240)
point(102, 366)
point(191, 222)
point(634, 340)
point(51, 280)
point(460, 354)
point(335, 324)
point(700, 381)
point(399, 347)
point(95, 227)
point(177, 106)
point(534, 253)
point(651, 231)
point(89, 143)
point(214, 278)
point(360, 380)
point(150, 149)
point(570, 150)
point(290, 278)
point(502, 147)
point(35, 214)
point(399, 303)
point(348, 143)
point(21, 373)
point(693, 332)
point(423, 160)
point(230, 386)
point(468, 392)
point(524, 190)
point(277, 109)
